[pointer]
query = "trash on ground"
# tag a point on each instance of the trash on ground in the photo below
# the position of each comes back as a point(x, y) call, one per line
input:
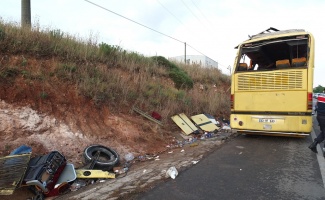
point(194, 162)
point(185, 124)
point(51, 175)
point(128, 157)
point(156, 115)
point(185, 137)
point(212, 119)
point(226, 127)
point(147, 116)
point(194, 144)
point(77, 184)
point(93, 173)
point(172, 172)
point(204, 123)
point(120, 170)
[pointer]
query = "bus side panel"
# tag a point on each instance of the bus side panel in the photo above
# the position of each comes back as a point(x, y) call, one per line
point(269, 123)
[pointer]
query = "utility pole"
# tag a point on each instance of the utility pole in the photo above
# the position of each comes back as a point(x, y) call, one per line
point(185, 53)
point(25, 13)
point(229, 67)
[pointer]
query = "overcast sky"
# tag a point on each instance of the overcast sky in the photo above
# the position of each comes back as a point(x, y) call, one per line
point(210, 27)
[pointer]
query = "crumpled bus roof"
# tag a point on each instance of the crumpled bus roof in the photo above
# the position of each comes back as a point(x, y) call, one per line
point(272, 32)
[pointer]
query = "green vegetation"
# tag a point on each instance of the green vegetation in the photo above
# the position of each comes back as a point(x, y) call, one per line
point(179, 76)
point(109, 75)
point(318, 89)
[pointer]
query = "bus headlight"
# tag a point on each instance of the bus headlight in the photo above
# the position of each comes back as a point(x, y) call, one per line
point(240, 123)
point(304, 121)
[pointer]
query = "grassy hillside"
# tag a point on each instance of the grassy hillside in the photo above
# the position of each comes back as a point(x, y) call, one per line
point(50, 61)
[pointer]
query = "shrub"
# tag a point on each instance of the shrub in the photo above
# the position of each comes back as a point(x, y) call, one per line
point(181, 79)
point(179, 76)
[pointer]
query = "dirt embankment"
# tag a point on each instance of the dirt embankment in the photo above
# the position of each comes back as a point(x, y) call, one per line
point(44, 132)
point(63, 120)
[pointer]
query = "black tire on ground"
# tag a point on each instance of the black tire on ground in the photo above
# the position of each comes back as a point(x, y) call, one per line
point(107, 159)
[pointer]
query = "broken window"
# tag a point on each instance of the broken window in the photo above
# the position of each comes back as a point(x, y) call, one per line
point(274, 54)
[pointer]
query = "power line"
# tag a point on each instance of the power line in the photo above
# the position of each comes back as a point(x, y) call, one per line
point(133, 21)
point(144, 25)
point(201, 12)
point(169, 12)
point(196, 50)
point(174, 16)
point(191, 11)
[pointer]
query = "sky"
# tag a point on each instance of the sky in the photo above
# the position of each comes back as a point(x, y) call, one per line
point(162, 27)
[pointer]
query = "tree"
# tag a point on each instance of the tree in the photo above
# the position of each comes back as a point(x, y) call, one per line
point(318, 89)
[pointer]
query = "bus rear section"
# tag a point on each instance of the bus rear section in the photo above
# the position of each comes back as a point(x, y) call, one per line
point(271, 90)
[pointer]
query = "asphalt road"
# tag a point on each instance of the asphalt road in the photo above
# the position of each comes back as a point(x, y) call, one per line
point(250, 167)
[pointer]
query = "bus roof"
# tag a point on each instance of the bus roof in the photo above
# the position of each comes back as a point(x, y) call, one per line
point(273, 33)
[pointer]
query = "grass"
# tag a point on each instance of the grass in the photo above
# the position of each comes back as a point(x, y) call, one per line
point(111, 76)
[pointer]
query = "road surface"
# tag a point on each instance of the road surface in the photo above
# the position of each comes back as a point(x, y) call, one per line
point(250, 167)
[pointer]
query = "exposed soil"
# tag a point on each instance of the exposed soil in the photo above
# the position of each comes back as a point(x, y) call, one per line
point(66, 121)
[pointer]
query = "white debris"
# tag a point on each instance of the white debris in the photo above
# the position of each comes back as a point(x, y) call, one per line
point(172, 172)
point(194, 162)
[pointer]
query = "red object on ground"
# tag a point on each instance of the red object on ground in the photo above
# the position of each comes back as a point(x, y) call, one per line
point(155, 115)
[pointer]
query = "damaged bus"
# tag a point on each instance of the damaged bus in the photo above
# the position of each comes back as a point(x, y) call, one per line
point(272, 84)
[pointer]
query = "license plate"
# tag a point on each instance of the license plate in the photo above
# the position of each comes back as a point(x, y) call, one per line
point(267, 120)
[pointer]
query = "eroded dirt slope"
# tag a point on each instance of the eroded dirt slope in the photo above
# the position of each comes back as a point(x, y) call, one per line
point(66, 121)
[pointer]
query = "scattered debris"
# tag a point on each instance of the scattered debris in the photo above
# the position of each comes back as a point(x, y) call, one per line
point(128, 157)
point(194, 162)
point(93, 173)
point(212, 119)
point(185, 124)
point(156, 115)
point(77, 184)
point(194, 144)
point(50, 175)
point(204, 123)
point(147, 116)
point(172, 172)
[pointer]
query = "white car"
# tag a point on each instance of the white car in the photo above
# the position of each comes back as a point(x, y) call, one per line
point(315, 95)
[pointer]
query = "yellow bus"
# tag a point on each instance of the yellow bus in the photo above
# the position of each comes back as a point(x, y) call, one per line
point(272, 84)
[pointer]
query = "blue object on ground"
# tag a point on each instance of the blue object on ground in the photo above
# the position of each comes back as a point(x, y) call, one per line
point(23, 149)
